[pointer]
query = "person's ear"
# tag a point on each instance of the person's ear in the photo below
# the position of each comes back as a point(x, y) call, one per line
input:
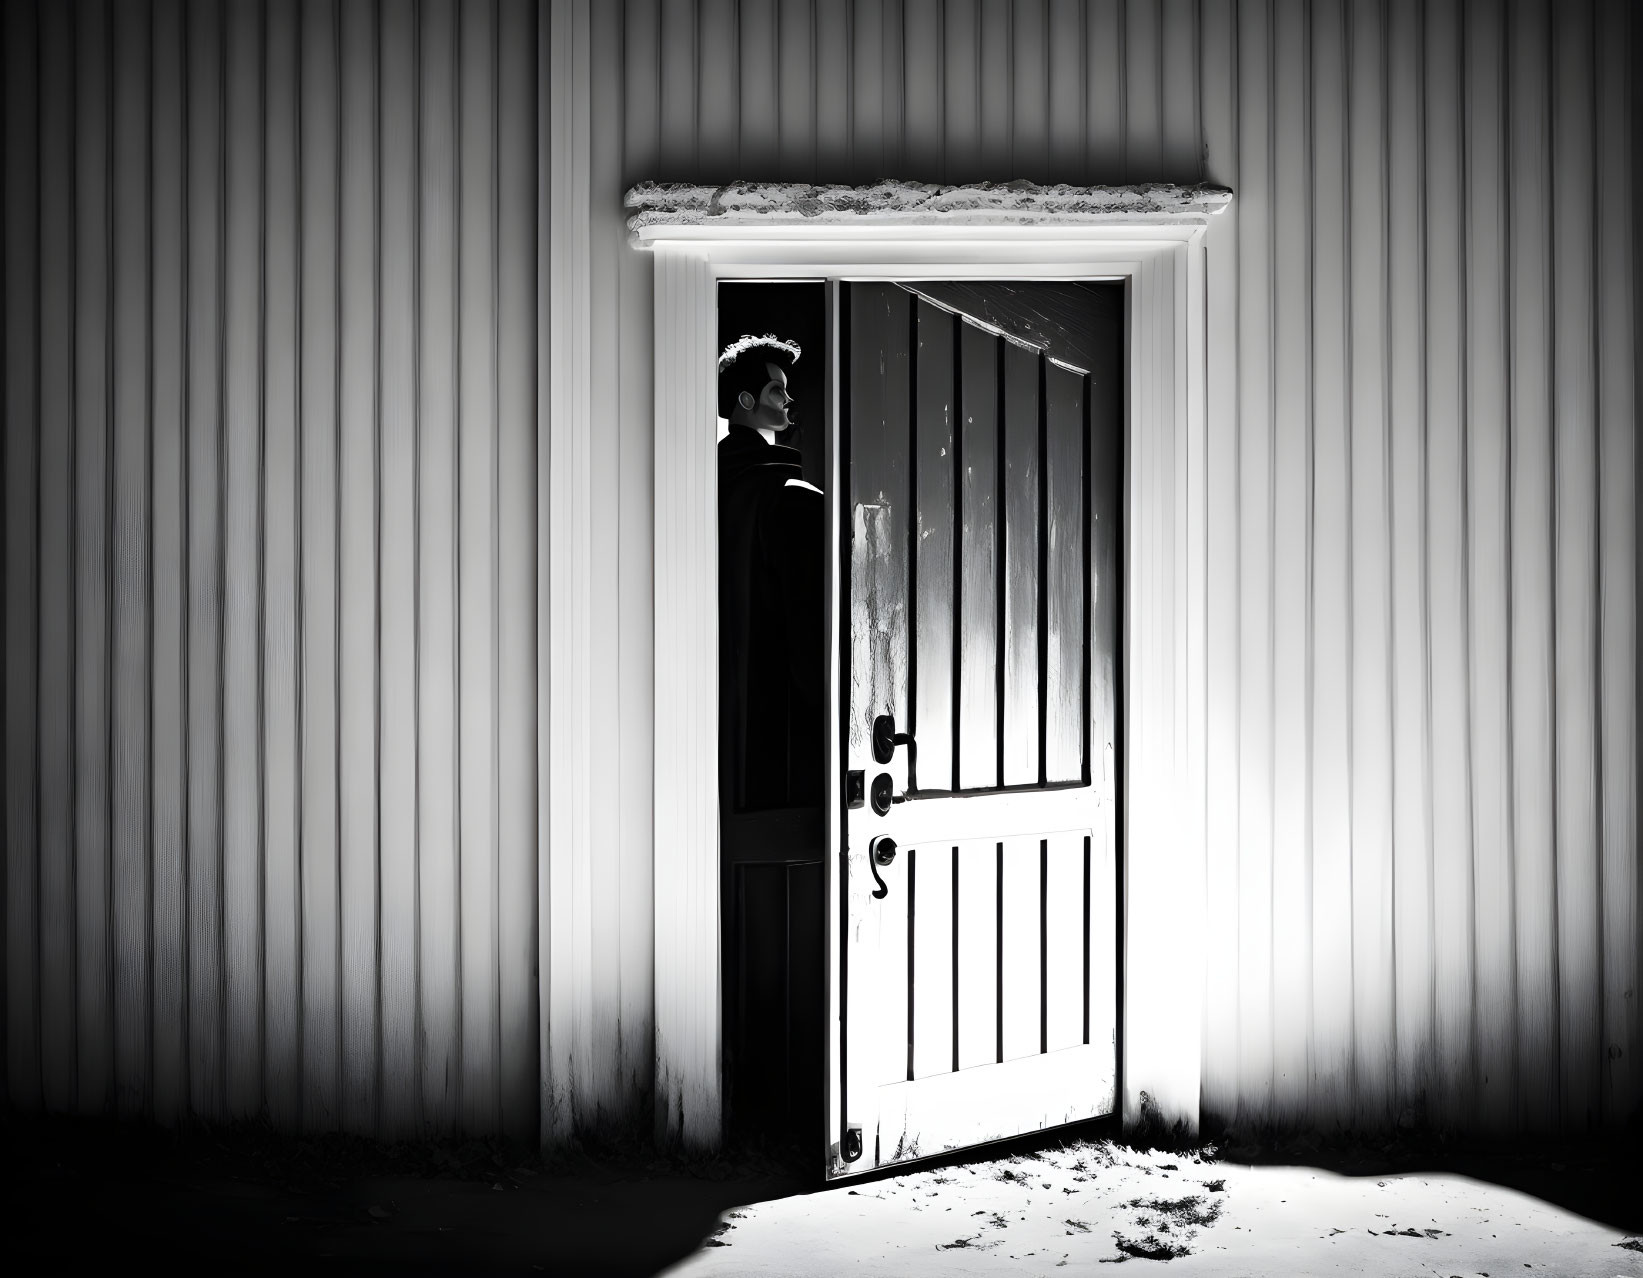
point(745, 399)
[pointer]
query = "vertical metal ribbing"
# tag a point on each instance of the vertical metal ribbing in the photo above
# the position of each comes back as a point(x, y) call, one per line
point(379, 1073)
point(1043, 618)
point(958, 568)
point(1000, 571)
point(1087, 533)
point(299, 593)
point(914, 521)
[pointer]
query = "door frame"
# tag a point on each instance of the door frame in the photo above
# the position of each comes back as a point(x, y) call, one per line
point(1159, 257)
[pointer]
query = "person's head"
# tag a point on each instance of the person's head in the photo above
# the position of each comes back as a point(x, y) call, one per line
point(753, 373)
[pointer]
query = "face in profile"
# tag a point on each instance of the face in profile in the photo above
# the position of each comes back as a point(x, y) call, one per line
point(770, 411)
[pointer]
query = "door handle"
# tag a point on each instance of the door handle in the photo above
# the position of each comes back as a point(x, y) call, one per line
point(886, 738)
point(881, 851)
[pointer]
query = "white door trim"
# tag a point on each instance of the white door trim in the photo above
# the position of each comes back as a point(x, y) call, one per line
point(1162, 840)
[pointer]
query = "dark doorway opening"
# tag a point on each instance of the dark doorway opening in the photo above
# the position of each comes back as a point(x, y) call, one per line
point(770, 824)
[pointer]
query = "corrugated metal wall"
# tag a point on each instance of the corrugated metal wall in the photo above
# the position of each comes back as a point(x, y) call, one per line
point(270, 572)
point(271, 516)
point(1422, 697)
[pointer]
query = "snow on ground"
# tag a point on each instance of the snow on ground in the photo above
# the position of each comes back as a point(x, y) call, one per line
point(1089, 1205)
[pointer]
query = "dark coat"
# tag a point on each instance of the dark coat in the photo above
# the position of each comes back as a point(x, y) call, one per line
point(770, 625)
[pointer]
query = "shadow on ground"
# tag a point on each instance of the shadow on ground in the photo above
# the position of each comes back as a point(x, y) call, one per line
point(81, 1194)
point(1598, 1178)
point(244, 1200)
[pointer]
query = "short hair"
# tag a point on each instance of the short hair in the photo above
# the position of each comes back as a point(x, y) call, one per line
point(742, 366)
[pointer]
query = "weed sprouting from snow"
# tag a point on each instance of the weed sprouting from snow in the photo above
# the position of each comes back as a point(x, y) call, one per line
point(1215, 1186)
point(1631, 1244)
point(1150, 1247)
point(1082, 1226)
point(1179, 1219)
point(1183, 1213)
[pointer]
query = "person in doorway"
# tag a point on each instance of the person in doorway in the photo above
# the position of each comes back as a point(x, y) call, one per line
point(770, 585)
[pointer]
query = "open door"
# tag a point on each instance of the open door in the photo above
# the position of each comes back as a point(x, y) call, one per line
point(976, 980)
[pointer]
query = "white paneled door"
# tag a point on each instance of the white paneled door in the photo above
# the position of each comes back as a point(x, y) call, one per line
point(978, 973)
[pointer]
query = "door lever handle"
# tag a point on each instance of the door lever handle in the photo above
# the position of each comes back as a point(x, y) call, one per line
point(881, 851)
point(886, 738)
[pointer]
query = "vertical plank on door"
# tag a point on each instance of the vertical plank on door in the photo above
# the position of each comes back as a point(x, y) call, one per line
point(57, 633)
point(1101, 930)
point(320, 269)
point(975, 919)
point(879, 452)
point(1063, 941)
point(1371, 569)
point(130, 779)
point(934, 523)
point(206, 393)
point(1446, 565)
point(1616, 319)
point(22, 453)
point(168, 652)
point(516, 571)
point(889, 987)
point(358, 676)
point(1488, 535)
point(1531, 477)
point(930, 867)
point(1020, 947)
point(397, 530)
point(476, 603)
point(1329, 579)
point(1067, 650)
point(1020, 484)
point(1411, 778)
point(1256, 252)
point(1292, 330)
point(1575, 570)
point(1104, 426)
point(976, 610)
